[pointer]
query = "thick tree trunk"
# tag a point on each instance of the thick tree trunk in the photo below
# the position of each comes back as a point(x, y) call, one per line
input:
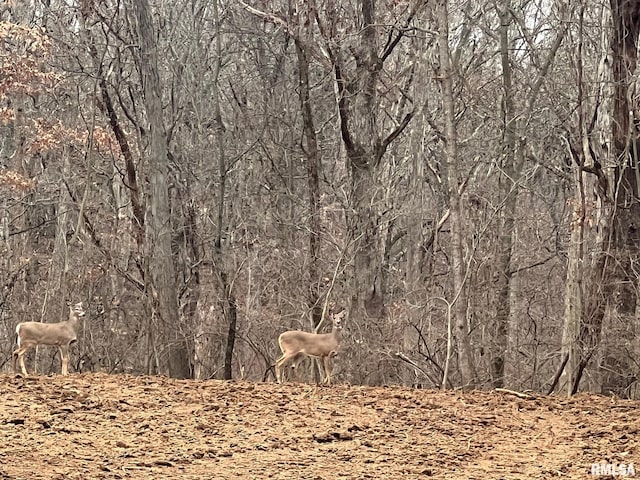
point(625, 16)
point(608, 284)
point(365, 146)
point(59, 258)
point(159, 232)
point(364, 160)
point(622, 285)
point(231, 316)
point(368, 290)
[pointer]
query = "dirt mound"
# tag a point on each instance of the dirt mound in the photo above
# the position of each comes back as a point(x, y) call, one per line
point(107, 426)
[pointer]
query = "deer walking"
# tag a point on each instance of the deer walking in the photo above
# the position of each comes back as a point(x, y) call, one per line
point(61, 335)
point(297, 345)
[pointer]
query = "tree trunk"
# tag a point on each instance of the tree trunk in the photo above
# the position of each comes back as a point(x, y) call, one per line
point(310, 148)
point(622, 283)
point(509, 192)
point(460, 302)
point(159, 232)
point(574, 291)
point(359, 110)
point(228, 299)
point(364, 153)
point(515, 133)
point(368, 294)
point(59, 258)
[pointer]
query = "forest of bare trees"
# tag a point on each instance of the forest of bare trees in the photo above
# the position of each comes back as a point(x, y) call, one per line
point(461, 177)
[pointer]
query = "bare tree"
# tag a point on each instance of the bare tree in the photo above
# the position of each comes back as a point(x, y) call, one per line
point(516, 124)
point(366, 143)
point(160, 256)
point(309, 145)
point(454, 186)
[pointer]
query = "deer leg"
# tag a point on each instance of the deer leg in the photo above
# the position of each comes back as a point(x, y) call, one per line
point(15, 360)
point(18, 356)
point(23, 367)
point(279, 364)
point(328, 367)
point(64, 356)
point(295, 364)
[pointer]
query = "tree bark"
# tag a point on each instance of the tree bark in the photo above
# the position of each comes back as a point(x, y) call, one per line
point(228, 299)
point(309, 145)
point(508, 189)
point(620, 283)
point(574, 291)
point(365, 147)
point(464, 350)
point(364, 158)
point(512, 155)
point(159, 231)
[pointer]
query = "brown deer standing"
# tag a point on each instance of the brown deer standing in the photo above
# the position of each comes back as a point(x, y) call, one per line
point(61, 335)
point(297, 345)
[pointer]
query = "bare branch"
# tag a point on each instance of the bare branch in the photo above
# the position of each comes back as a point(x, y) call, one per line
point(392, 43)
point(396, 133)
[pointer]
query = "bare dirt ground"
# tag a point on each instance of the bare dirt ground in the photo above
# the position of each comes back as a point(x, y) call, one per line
point(110, 426)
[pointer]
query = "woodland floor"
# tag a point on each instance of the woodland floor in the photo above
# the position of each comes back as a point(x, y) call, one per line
point(111, 426)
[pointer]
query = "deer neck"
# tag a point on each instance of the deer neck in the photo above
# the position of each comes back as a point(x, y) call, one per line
point(73, 320)
point(337, 334)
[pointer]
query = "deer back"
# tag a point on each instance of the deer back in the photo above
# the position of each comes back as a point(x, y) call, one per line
point(314, 344)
